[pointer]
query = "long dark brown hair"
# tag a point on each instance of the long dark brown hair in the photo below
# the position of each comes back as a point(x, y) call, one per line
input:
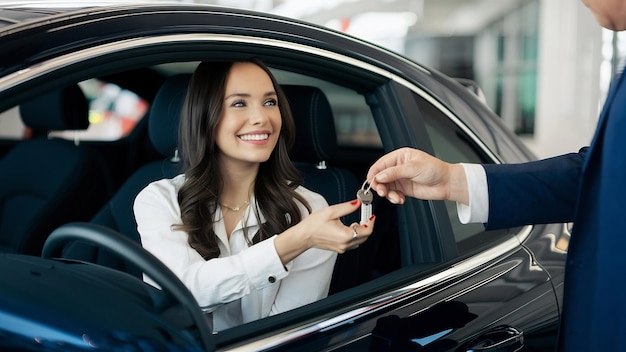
point(198, 197)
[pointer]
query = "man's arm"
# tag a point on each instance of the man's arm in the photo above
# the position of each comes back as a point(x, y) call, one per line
point(537, 192)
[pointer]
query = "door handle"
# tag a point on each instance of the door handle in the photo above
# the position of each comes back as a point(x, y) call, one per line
point(500, 339)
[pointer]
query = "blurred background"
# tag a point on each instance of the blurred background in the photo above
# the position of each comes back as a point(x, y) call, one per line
point(544, 65)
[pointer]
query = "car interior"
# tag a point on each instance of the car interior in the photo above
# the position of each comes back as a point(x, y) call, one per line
point(322, 154)
point(75, 182)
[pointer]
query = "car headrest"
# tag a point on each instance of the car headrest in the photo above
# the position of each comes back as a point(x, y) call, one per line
point(58, 110)
point(165, 113)
point(316, 139)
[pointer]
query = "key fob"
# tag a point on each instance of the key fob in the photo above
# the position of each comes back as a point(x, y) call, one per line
point(366, 197)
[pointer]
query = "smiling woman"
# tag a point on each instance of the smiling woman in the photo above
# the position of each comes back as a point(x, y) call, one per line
point(263, 254)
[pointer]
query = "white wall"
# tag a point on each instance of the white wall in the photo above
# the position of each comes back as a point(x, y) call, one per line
point(568, 92)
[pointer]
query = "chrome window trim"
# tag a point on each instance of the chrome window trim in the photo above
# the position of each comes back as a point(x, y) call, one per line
point(362, 309)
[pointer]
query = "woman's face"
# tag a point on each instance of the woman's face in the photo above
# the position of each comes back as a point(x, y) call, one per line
point(250, 123)
point(610, 14)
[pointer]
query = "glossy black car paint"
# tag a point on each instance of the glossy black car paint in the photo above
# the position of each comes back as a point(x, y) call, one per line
point(436, 301)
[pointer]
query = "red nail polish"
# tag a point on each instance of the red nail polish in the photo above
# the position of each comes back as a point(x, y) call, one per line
point(372, 217)
point(354, 202)
point(365, 225)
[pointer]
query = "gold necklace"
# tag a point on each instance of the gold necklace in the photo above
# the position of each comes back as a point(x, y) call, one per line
point(237, 208)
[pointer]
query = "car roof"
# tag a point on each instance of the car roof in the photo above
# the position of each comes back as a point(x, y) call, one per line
point(19, 12)
point(21, 24)
point(35, 13)
point(34, 32)
point(18, 15)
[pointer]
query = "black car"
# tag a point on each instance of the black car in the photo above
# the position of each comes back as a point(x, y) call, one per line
point(89, 99)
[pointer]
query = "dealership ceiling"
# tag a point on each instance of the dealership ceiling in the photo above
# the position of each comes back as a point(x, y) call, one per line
point(418, 17)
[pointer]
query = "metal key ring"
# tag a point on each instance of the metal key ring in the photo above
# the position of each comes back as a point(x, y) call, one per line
point(368, 186)
point(354, 234)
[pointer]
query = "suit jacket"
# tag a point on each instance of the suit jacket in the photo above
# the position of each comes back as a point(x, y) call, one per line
point(589, 188)
point(538, 192)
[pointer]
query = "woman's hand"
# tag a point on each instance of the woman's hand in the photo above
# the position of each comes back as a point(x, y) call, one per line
point(323, 229)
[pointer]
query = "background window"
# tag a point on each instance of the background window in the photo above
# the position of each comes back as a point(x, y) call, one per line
point(113, 113)
point(354, 121)
point(505, 61)
point(451, 144)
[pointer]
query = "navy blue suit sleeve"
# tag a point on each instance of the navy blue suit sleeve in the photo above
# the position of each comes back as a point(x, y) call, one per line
point(537, 192)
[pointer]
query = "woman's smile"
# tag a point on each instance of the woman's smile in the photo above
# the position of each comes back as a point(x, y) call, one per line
point(255, 137)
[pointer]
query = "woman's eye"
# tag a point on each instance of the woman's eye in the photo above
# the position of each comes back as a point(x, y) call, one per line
point(271, 102)
point(239, 104)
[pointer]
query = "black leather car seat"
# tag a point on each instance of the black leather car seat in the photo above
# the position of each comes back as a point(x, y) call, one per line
point(313, 152)
point(118, 214)
point(316, 145)
point(46, 181)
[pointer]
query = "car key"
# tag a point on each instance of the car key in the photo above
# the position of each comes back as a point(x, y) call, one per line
point(366, 197)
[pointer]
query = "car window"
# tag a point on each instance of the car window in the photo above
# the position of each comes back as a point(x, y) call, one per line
point(113, 113)
point(11, 126)
point(356, 132)
point(450, 143)
point(354, 121)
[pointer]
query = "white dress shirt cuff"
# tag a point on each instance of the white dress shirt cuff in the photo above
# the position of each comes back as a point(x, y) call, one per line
point(478, 209)
point(263, 265)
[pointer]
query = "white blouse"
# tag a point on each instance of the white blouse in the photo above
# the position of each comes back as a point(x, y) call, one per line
point(245, 283)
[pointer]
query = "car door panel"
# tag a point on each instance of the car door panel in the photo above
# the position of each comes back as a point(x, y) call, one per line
point(507, 296)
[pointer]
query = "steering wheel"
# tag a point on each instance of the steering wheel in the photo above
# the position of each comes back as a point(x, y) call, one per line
point(132, 252)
